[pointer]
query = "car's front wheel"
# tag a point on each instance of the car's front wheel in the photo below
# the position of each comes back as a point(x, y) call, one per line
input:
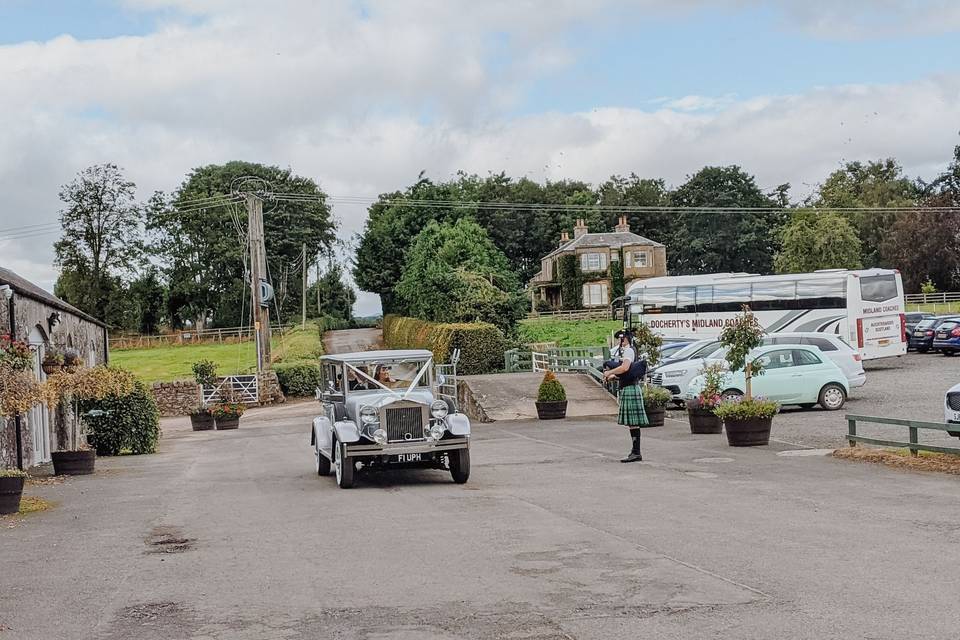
point(343, 465)
point(832, 397)
point(731, 394)
point(948, 352)
point(460, 465)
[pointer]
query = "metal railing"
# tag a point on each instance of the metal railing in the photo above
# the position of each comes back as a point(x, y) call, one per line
point(914, 426)
point(561, 360)
point(448, 389)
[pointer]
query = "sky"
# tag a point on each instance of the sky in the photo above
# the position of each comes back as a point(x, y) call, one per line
point(363, 95)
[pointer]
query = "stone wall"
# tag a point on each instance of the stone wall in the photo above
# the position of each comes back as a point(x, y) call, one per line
point(269, 388)
point(176, 398)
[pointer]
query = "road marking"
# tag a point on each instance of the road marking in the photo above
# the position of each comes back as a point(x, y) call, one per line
point(803, 453)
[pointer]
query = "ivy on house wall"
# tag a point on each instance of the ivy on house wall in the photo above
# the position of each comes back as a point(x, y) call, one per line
point(571, 282)
point(617, 283)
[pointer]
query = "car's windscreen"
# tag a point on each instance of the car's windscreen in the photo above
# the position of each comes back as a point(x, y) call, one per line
point(393, 375)
point(926, 324)
point(687, 351)
point(948, 325)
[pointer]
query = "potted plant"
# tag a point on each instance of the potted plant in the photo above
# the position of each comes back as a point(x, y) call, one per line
point(746, 420)
point(11, 488)
point(551, 398)
point(52, 361)
point(700, 410)
point(205, 373)
point(16, 355)
point(72, 360)
point(227, 415)
point(655, 401)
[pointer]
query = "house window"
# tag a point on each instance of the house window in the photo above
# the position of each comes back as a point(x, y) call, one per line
point(595, 295)
point(615, 256)
point(637, 259)
point(593, 261)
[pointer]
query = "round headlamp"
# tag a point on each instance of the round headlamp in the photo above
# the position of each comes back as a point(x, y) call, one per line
point(439, 409)
point(368, 415)
point(380, 436)
point(436, 431)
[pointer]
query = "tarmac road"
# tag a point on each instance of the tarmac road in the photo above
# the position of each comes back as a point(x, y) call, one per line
point(232, 535)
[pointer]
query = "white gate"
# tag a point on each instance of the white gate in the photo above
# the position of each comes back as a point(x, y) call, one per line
point(541, 361)
point(245, 389)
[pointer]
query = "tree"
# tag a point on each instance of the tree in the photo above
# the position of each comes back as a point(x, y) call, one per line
point(330, 295)
point(659, 226)
point(146, 297)
point(101, 240)
point(818, 241)
point(203, 249)
point(441, 281)
point(879, 183)
point(710, 241)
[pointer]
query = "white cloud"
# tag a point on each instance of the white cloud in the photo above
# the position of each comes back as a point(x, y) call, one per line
point(363, 104)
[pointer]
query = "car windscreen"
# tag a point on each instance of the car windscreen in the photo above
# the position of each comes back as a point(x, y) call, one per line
point(688, 350)
point(948, 325)
point(393, 375)
point(928, 323)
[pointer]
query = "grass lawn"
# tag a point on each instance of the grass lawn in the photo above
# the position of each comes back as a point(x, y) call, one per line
point(173, 362)
point(939, 308)
point(568, 333)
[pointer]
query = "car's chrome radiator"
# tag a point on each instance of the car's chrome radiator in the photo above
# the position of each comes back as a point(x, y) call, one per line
point(953, 400)
point(403, 423)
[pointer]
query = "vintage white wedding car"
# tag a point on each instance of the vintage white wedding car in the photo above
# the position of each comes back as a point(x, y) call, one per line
point(387, 410)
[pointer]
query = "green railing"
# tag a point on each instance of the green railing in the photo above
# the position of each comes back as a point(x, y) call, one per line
point(913, 425)
point(560, 360)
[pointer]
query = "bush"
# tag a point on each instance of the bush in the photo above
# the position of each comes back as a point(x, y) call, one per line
point(550, 389)
point(656, 397)
point(132, 422)
point(299, 380)
point(481, 345)
point(746, 408)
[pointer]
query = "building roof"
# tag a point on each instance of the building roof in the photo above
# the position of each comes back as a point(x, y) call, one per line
point(386, 355)
point(29, 290)
point(613, 240)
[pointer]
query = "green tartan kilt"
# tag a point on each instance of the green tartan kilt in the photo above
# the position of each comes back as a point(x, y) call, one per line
point(632, 413)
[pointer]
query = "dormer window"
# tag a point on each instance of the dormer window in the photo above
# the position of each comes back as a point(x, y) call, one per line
point(637, 259)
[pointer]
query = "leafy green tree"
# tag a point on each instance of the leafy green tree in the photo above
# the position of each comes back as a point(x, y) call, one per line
point(101, 240)
point(331, 295)
point(710, 241)
point(146, 297)
point(818, 241)
point(441, 280)
point(879, 183)
point(641, 192)
point(203, 250)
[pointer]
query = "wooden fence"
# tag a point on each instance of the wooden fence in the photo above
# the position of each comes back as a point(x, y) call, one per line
point(913, 425)
point(221, 335)
point(573, 314)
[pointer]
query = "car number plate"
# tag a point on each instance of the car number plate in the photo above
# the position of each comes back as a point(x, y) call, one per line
point(918, 334)
point(410, 457)
point(956, 416)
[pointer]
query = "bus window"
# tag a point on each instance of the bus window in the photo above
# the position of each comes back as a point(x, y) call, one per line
point(660, 300)
point(822, 294)
point(772, 296)
point(705, 298)
point(878, 288)
point(731, 297)
point(686, 299)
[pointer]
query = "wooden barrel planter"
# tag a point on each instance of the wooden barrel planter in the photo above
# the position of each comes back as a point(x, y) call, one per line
point(656, 416)
point(748, 432)
point(223, 424)
point(74, 463)
point(10, 491)
point(552, 410)
point(703, 421)
point(201, 421)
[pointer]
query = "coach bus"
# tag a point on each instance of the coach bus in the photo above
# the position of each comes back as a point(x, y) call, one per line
point(865, 308)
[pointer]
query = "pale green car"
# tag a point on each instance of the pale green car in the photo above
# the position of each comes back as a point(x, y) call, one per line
point(792, 374)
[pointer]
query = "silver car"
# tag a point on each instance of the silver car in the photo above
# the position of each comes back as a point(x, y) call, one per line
point(388, 410)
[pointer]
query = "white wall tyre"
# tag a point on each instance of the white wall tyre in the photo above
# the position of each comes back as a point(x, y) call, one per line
point(343, 465)
point(832, 397)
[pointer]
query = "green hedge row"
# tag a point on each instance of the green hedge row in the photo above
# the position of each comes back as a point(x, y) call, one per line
point(298, 380)
point(481, 344)
point(130, 423)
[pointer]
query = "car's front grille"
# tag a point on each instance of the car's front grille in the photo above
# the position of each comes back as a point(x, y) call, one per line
point(657, 379)
point(953, 400)
point(403, 423)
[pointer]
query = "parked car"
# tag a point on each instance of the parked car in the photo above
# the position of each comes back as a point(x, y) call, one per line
point(921, 338)
point(384, 410)
point(672, 345)
point(911, 320)
point(947, 338)
point(951, 408)
point(792, 375)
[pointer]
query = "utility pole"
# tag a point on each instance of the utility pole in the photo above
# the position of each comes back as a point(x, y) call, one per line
point(303, 294)
point(318, 285)
point(258, 270)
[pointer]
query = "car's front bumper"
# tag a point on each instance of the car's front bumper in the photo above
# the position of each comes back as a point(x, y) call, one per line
point(403, 448)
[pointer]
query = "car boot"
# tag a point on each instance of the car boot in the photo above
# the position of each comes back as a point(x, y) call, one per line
point(634, 450)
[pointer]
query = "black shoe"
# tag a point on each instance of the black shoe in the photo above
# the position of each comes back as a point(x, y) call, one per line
point(633, 457)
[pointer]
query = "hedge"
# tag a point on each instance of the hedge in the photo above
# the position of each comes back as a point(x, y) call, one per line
point(299, 380)
point(481, 344)
point(132, 423)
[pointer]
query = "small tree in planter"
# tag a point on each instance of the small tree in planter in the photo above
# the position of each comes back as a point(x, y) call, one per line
point(551, 398)
point(647, 344)
point(205, 373)
point(700, 410)
point(655, 400)
point(747, 420)
point(11, 490)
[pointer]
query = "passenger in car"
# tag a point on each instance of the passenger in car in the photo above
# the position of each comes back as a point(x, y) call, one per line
point(382, 376)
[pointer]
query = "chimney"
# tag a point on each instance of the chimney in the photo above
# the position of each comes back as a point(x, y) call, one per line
point(622, 225)
point(564, 238)
point(580, 229)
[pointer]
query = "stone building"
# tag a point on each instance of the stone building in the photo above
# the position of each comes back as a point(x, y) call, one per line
point(596, 254)
point(38, 317)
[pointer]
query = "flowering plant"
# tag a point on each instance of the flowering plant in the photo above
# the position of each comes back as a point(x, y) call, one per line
point(709, 396)
point(19, 390)
point(16, 353)
point(53, 356)
point(228, 410)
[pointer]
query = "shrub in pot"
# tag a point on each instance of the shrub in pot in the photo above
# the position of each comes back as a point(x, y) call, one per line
point(551, 398)
point(205, 373)
point(227, 415)
point(655, 400)
point(11, 489)
point(747, 421)
point(700, 409)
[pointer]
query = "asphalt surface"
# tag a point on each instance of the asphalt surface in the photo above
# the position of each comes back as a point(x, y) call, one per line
point(232, 535)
